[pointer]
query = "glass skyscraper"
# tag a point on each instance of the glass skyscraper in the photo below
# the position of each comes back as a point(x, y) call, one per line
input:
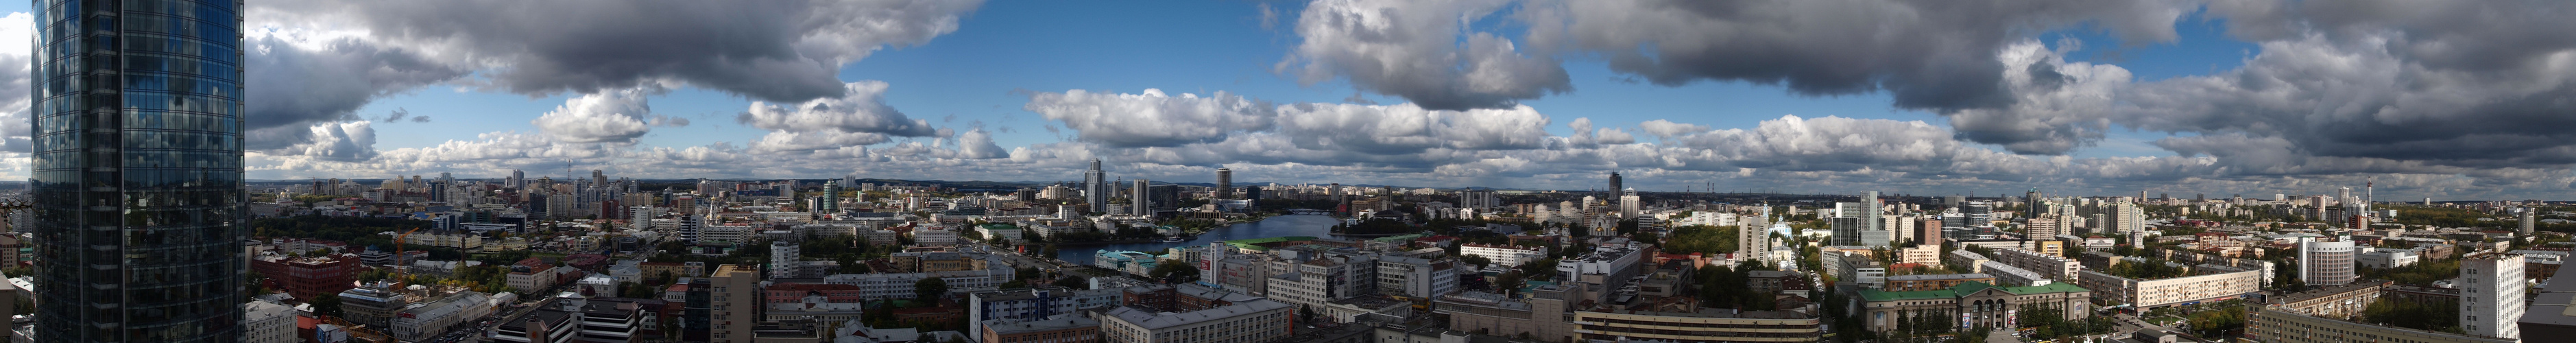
point(137, 185)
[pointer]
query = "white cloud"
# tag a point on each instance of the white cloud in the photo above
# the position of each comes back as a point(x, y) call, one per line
point(346, 141)
point(862, 109)
point(616, 116)
point(1409, 49)
point(1152, 118)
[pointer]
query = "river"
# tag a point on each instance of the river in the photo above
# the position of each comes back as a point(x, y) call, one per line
point(1287, 225)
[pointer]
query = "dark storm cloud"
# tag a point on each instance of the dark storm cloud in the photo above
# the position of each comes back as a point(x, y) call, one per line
point(293, 86)
point(786, 51)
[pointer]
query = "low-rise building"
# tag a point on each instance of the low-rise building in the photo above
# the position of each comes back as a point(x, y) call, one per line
point(1032, 304)
point(2273, 324)
point(1541, 316)
point(436, 317)
point(1902, 283)
point(2339, 301)
point(268, 322)
point(2050, 265)
point(1504, 255)
point(1980, 304)
point(1251, 321)
point(2146, 294)
point(1703, 325)
point(1066, 330)
point(2007, 275)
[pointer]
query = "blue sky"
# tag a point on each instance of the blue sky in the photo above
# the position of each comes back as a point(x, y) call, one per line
point(2215, 99)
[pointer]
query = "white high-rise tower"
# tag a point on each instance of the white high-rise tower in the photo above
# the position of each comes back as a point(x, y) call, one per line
point(2491, 289)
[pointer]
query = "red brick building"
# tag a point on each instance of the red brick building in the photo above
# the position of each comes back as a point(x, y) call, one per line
point(307, 277)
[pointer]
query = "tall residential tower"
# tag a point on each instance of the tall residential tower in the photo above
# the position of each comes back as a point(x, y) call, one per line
point(1095, 188)
point(139, 205)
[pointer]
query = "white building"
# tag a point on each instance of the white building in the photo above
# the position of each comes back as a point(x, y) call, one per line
point(2491, 288)
point(934, 237)
point(1415, 277)
point(1031, 304)
point(2375, 258)
point(268, 322)
point(1251, 321)
point(782, 260)
point(427, 321)
point(1504, 255)
point(874, 286)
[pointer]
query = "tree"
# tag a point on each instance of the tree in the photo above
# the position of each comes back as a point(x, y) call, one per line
point(1174, 272)
point(1510, 280)
point(849, 264)
point(1074, 282)
point(326, 304)
point(930, 289)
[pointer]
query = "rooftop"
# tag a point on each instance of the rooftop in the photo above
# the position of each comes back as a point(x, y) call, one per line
point(1150, 320)
point(1004, 326)
point(1963, 289)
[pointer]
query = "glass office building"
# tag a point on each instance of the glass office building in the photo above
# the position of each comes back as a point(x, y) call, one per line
point(137, 186)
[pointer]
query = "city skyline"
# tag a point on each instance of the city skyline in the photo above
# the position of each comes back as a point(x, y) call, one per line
point(2108, 98)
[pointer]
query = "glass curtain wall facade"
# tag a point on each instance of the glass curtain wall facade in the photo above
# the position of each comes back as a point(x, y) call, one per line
point(137, 182)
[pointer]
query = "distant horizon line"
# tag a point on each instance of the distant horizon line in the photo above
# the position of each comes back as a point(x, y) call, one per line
point(1040, 183)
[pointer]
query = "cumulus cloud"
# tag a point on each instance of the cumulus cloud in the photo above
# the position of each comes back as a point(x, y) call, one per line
point(1406, 128)
point(346, 141)
point(861, 109)
point(1152, 118)
point(785, 51)
point(618, 116)
point(2057, 106)
point(1411, 49)
point(786, 141)
point(16, 32)
point(1666, 129)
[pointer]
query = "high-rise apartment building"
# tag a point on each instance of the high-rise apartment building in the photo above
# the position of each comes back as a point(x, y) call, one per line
point(138, 210)
point(738, 303)
point(1095, 187)
point(1224, 183)
point(2491, 288)
point(1141, 204)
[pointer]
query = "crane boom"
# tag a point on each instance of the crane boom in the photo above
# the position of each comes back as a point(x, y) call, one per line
point(401, 270)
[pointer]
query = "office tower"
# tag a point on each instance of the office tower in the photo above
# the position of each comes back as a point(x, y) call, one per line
point(518, 179)
point(1140, 203)
point(2326, 263)
point(1095, 187)
point(832, 197)
point(1614, 182)
point(1335, 191)
point(1224, 183)
point(2032, 207)
point(2343, 195)
point(2491, 288)
point(137, 235)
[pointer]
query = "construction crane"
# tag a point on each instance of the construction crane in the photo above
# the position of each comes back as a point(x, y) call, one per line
point(401, 270)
